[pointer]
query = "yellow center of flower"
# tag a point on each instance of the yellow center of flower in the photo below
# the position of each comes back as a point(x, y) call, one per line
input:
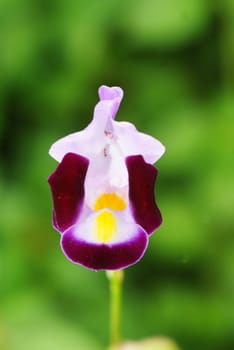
point(106, 222)
point(105, 226)
point(111, 201)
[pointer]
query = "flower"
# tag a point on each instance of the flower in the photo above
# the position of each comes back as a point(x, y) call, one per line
point(103, 189)
point(154, 343)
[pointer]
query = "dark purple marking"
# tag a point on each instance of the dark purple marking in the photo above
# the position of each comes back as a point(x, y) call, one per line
point(67, 187)
point(142, 177)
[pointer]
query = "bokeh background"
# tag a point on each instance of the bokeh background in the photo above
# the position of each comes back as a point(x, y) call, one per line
point(175, 61)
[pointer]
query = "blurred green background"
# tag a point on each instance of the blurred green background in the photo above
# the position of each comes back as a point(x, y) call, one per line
point(175, 61)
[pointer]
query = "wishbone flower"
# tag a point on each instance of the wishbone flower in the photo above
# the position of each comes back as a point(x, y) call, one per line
point(103, 189)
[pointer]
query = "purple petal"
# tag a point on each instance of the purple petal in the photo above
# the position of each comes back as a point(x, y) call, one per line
point(104, 256)
point(142, 177)
point(67, 187)
point(110, 98)
point(110, 93)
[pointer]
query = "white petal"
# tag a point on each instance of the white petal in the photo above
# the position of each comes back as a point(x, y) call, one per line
point(107, 173)
point(125, 230)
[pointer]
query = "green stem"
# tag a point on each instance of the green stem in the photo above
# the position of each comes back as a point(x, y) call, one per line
point(116, 279)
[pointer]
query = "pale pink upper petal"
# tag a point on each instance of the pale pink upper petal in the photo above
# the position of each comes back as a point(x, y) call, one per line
point(97, 134)
point(133, 142)
point(82, 142)
point(103, 132)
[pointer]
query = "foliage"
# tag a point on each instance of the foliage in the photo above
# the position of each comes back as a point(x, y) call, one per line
point(175, 61)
